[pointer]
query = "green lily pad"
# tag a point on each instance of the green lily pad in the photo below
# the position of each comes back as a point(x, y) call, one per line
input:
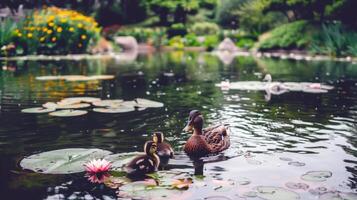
point(275, 193)
point(38, 110)
point(79, 100)
point(103, 77)
point(109, 103)
point(316, 176)
point(73, 106)
point(145, 103)
point(121, 109)
point(63, 161)
point(48, 78)
point(118, 160)
point(68, 113)
point(338, 196)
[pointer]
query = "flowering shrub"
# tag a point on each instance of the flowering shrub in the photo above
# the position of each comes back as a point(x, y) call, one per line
point(56, 31)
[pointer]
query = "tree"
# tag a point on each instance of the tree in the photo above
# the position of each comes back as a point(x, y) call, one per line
point(179, 9)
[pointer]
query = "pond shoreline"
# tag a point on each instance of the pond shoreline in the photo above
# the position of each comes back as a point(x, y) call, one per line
point(279, 54)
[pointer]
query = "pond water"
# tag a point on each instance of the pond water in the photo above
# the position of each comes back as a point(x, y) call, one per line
point(275, 144)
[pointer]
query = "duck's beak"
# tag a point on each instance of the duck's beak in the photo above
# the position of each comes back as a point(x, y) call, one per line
point(188, 127)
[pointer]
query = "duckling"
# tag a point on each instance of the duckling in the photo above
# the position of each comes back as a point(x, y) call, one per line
point(144, 164)
point(164, 150)
point(211, 140)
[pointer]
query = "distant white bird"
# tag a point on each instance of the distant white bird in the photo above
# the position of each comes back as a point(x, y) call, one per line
point(275, 88)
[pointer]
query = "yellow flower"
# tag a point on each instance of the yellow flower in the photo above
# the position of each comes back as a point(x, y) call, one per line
point(19, 34)
point(59, 29)
point(80, 25)
point(54, 39)
point(51, 24)
point(71, 29)
point(63, 20)
point(49, 32)
point(83, 37)
point(29, 35)
point(42, 39)
point(17, 31)
point(45, 29)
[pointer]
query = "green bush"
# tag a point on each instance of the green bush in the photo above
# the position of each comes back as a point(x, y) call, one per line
point(7, 29)
point(211, 42)
point(154, 36)
point(335, 40)
point(296, 35)
point(191, 40)
point(245, 43)
point(56, 31)
point(204, 28)
point(176, 42)
point(177, 30)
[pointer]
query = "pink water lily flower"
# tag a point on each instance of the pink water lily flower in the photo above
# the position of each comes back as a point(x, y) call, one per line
point(96, 166)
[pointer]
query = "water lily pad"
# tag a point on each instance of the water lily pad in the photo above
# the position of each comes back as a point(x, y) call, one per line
point(48, 78)
point(145, 103)
point(338, 196)
point(285, 159)
point(38, 110)
point(79, 100)
point(63, 161)
point(121, 109)
point(118, 160)
point(103, 77)
point(296, 164)
point(73, 106)
point(109, 103)
point(296, 186)
point(68, 113)
point(276, 193)
point(316, 176)
point(147, 190)
point(77, 78)
point(50, 105)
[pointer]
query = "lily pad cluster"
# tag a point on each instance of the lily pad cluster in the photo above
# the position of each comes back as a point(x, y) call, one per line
point(69, 107)
point(75, 78)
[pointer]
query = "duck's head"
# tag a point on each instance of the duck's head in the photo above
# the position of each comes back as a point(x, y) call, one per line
point(158, 137)
point(195, 121)
point(150, 148)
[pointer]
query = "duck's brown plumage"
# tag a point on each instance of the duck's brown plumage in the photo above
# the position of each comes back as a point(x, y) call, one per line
point(144, 164)
point(211, 140)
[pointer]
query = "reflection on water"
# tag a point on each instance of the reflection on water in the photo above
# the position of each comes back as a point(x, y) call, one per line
point(274, 144)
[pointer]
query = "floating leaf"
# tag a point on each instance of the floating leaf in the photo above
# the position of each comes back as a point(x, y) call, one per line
point(109, 103)
point(63, 161)
point(103, 77)
point(338, 196)
point(145, 103)
point(122, 109)
point(50, 105)
point(68, 113)
point(296, 186)
point(116, 182)
point(80, 78)
point(182, 183)
point(118, 160)
point(285, 159)
point(296, 164)
point(316, 176)
point(80, 99)
point(38, 110)
point(73, 106)
point(275, 193)
point(48, 78)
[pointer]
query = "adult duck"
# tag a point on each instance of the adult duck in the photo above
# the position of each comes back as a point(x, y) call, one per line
point(144, 164)
point(203, 142)
point(164, 149)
